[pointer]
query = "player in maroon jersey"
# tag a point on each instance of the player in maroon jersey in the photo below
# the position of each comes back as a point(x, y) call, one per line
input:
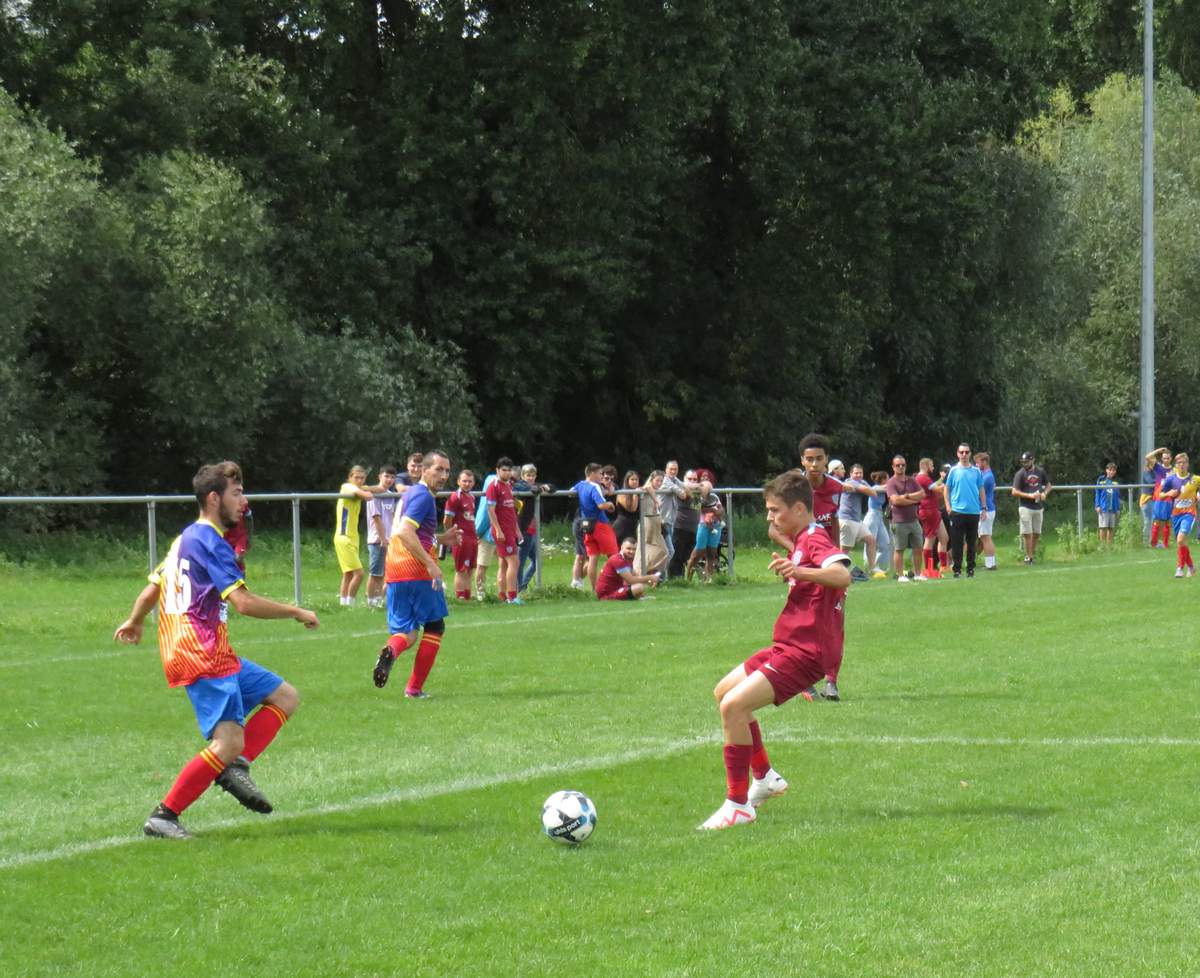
point(460, 512)
point(502, 513)
point(826, 490)
point(808, 635)
point(617, 580)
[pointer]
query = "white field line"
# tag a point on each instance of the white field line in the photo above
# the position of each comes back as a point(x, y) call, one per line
point(653, 751)
point(319, 636)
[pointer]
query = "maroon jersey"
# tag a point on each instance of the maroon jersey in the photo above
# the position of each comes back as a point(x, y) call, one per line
point(460, 507)
point(500, 495)
point(610, 580)
point(930, 504)
point(812, 619)
point(826, 498)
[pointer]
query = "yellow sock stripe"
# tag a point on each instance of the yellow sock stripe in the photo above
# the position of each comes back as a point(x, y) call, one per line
point(277, 711)
point(212, 760)
point(432, 639)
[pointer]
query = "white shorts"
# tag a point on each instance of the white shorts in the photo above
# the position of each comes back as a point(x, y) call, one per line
point(1031, 520)
point(851, 533)
point(986, 521)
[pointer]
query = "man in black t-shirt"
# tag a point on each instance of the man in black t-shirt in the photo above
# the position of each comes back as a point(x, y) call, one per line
point(1031, 486)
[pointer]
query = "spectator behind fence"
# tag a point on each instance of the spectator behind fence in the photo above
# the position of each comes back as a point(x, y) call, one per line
point(904, 495)
point(1031, 486)
point(876, 522)
point(412, 471)
point(460, 512)
point(965, 502)
point(708, 532)
point(1158, 467)
point(625, 515)
point(687, 518)
point(987, 519)
point(598, 537)
point(240, 534)
point(852, 531)
point(1108, 503)
point(652, 555)
point(485, 552)
point(381, 507)
point(529, 554)
point(618, 582)
point(670, 494)
point(345, 533)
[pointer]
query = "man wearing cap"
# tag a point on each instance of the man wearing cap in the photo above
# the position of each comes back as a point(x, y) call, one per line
point(1031, 486)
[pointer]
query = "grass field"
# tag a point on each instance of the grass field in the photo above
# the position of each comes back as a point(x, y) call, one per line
point(1008, 788)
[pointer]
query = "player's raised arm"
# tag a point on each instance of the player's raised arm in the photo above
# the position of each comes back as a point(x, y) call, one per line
point(256, 606)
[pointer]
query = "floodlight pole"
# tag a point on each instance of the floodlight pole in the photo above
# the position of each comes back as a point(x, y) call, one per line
point(1146, 414)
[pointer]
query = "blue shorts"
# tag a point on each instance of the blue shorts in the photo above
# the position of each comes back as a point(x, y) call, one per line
point(1162, 509)
point(708, 537)
point(1183, 523)
point(231, 697)
point(376, 559)
point(411, 604)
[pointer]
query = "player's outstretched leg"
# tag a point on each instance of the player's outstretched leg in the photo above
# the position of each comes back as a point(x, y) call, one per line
point(236, 780)
point(164, 824)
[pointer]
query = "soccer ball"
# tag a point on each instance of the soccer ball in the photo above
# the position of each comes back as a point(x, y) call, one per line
point(568, 817)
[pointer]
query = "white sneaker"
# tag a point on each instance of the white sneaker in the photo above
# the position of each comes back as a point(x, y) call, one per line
point(480, 595)
point(1189, 572)
point(903, 579)
point(727, 816)
point(920, 577)
point(772, 786)
point(577, 584)
point(1179, 572)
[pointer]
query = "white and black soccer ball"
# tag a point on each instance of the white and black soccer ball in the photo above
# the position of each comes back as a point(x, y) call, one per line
point(568, 817)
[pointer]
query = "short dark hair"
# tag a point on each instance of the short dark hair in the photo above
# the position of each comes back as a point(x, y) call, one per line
point(632, 540)
point(388, 469)
point(814, 440)
point(591, 468)
point(504, 462)
point(462, 472)
point(416, 457)
point(428, 457)
point(610, 470)
point(215, 478)
point(792, 487)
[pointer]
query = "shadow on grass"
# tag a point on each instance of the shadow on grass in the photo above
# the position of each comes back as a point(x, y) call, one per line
point(381, 822)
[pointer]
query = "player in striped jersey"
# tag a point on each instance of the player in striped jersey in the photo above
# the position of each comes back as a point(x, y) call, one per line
point(416, 592)
point(192, 588)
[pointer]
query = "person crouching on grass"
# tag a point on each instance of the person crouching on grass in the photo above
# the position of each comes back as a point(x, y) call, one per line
point(617, 580)
point(807, 639)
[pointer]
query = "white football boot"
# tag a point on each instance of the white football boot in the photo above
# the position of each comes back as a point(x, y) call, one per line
point(727, 816)
point(772, 786)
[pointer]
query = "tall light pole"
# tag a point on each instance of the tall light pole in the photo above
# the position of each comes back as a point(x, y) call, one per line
point(1146, 414)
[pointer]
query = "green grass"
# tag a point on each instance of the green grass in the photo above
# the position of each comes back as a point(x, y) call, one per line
point(1008, 787)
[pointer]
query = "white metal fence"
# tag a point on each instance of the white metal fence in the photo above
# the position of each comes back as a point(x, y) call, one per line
point(295, 498)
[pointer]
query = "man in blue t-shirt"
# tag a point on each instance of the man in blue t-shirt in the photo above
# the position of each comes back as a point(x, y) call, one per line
point(965, 501)
point(987, 519)
point(598, 537)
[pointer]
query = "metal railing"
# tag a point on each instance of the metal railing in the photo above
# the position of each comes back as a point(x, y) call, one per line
point(295, 498)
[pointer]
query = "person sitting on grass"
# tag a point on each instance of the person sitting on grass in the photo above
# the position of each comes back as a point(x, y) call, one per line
point(617, 580)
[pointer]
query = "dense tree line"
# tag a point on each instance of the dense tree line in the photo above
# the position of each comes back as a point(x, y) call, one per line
point(309, 234)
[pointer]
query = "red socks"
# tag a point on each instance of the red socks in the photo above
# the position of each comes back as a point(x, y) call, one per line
point(737, 771)
point(397, 643)
point(193, 780)
point(1154, 535)
point(426, 655)
point(928, 554)
point(1183, 556)
point(759, 765)
point(261, 730)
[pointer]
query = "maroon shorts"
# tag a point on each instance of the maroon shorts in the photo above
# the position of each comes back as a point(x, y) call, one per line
point(623, 593)
point(930, 523)
point(465, 555)
point(788, 670)
point(601, 540)
point(506, 549)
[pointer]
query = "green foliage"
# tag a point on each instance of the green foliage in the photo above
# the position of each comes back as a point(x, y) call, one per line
point(1080, 357)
